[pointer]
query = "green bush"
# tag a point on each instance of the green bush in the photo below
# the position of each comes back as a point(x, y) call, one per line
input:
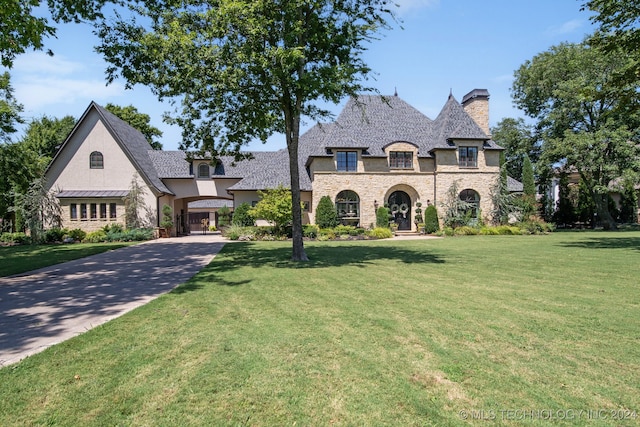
point(326, 216)
point(536, 226)
point(241, 216)
point(224, 216)
point(508, 230)
point(341, 230)
point(95, 237)
point(310, 231)
point(431, 224)
point(113, 228)
point(236, 232)
point(77, 234)
point(18, 238)
point(382, 217)
point(466, 230)
point(326, 234)
point(380, 233)
point(489, 231)
point(54, 235)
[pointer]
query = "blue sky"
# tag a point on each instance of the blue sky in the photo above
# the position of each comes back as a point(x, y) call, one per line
point(446, 45)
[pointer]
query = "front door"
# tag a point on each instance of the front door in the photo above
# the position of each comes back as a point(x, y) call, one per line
point(400, 207)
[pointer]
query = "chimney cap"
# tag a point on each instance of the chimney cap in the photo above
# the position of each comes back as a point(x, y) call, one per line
point(476, 93)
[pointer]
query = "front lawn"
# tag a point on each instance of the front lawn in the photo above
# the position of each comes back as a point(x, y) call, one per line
point(522, 330)
point(23, 258)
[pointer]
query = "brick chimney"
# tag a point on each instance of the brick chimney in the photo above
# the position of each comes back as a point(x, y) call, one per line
point(476, 104)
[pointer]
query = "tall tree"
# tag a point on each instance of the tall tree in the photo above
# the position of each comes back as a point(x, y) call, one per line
point(581, 117)
point(10, 109)
point(246, 69)
point(618, 30)
point(138, 120)
point(25, 28)
point(518, 140)
point(45, 135)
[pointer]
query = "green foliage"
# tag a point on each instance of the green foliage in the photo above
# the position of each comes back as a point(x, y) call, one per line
point(274, 206)
point(224, 216)
point(582, 116)
point(24, 28)
point(10, 110)
point(457, 212)
point(134, 205)
point(39, 207)
point(382, 217)
point(45, 135)
point(326, 215)
point(167, 217)
point(380, 233)
point(628, 202)
point(77, 234)
point(242, 217)
point(18, 238)
point(261, 66)
point(528, 180)
point(431, 223)
point(139, 121)
point(96, 236)
point(237, 232)
point(518, 140)
point(310, 231)
point(54, 235)
point(418, 216)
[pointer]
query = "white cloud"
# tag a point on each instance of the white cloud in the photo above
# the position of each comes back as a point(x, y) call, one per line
point(38, 93)
point(41, 63)
point(568, 27)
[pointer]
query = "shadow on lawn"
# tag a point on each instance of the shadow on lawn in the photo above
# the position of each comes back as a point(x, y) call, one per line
point(337, 255)
point(605, 243)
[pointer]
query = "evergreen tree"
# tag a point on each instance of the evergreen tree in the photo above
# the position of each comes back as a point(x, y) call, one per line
point(431, 223)
point(241, 216)
point(326, 215)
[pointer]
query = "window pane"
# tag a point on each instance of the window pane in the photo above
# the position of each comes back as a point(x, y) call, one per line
point(468, 156)
point(401, 159)
point(83, 211)
point(347, 161)
point(96, 160)
point(103, 211)
point(73, 214)
point(94, 211)
point(112, 211)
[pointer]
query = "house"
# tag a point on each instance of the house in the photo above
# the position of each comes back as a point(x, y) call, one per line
point(379, 150)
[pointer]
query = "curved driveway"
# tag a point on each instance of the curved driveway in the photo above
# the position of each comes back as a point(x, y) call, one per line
point(46, 306)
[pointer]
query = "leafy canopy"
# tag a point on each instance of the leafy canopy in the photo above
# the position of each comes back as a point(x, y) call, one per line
point(138, 120)
point(238, 70)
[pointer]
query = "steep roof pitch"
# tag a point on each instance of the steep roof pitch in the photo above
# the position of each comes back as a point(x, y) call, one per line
point(454, 123)
point(372, 122)
point(131, 141)
point(135, 145)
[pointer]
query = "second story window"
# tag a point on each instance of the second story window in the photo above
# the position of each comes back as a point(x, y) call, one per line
point(96, 160)
point(346, 161)
point(401, 160)
point(203, 170)
point(468, 157)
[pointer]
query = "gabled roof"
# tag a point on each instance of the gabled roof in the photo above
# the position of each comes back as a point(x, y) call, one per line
point(454, 123)
point(131, 141)
point(270, 169)
point(135, 146)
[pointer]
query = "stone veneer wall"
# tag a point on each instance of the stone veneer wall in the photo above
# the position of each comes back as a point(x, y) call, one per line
point(478, 109)
point(89, 224)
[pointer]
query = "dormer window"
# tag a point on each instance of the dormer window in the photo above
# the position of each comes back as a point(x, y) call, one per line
point(468, 157)
point(96, 160)
point(203, 170)
point(401, 160)
point(347, 161)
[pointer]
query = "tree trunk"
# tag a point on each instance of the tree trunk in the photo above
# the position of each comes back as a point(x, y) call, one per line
point(602, 210)
point(293, 135)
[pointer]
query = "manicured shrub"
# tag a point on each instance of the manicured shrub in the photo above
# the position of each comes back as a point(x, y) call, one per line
point(431, 224)
point(341, 230)
point(326, 215)
point(236, 232)
point(241, 216)
point(380, 233)
point(54, 235)
point(382, 217)
point(77, 234)
point(466, 230)
point(326, 234)
point(17, 238)
point(310, 231)
point(96, 237)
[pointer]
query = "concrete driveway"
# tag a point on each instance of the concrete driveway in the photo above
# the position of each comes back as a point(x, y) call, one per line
point(46, 306)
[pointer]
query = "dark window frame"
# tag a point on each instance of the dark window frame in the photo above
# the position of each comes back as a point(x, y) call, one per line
point(347, 161)
point(96, 160)
point(468, 157)
point(73, 211)
point(401, 160)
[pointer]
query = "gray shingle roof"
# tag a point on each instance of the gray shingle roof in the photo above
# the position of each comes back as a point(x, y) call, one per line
point(454, 123)
point(135, 145)
point(111, 194)
point(271, 169)
point(170, 164)
point(210, 204)
point(514, 185)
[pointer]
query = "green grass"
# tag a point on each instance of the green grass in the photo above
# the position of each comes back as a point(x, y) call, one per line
point(367, 333)
point(20, 259)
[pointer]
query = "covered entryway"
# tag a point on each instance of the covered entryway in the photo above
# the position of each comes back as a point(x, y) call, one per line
point(400, 208)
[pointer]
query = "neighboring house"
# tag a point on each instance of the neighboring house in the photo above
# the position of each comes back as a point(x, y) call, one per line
point(379, 150)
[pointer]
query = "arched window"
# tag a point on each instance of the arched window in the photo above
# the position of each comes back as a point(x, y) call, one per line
point(203, 170)
point(473, 200)
point(96, 160)
point(348, 206)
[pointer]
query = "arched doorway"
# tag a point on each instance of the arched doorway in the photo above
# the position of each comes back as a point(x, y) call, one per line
point(348, 207)
point(472, 198)
point(400, 208)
